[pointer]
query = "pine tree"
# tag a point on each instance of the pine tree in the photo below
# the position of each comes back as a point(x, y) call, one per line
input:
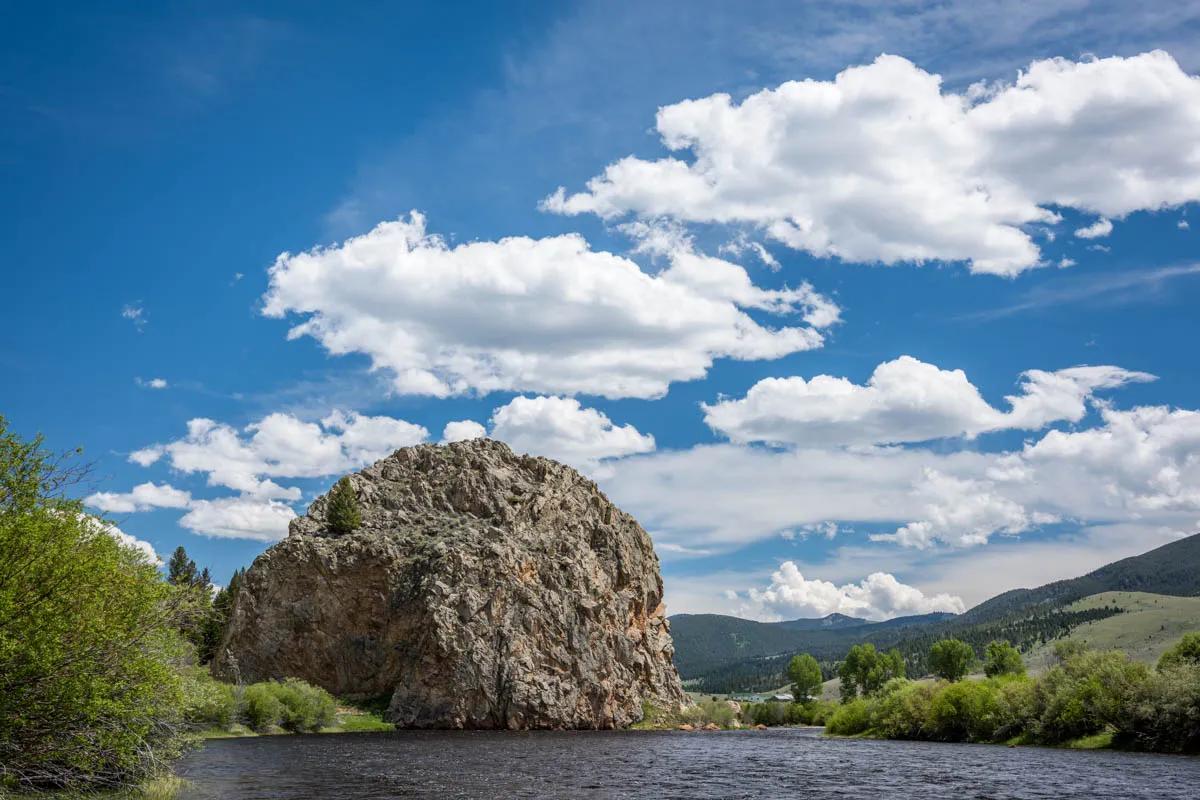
point(343, 514)
point(181, 570)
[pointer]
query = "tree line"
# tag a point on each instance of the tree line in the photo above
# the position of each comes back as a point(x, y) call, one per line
point(1100, 696)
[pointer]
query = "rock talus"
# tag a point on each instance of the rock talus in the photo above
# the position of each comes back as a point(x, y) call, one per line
point(484, 590)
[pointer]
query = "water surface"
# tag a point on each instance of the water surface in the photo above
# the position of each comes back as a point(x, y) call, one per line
point(669, 764)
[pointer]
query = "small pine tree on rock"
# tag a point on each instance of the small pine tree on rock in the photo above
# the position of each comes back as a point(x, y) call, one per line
point(343, 513)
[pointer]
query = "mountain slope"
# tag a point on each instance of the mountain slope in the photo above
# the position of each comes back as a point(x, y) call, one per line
point(1173, 569)
point(727, 653)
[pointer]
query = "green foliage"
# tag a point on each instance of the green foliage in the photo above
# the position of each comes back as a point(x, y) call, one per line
point(1163, 714)
point(342, 512)
point(181, 570)
point(292, 704)
point(805, 675)
point(1001, 658)
point(1086, 694)
point(717, 712)
point(217, 619)
point(208, 703)
point(260, 708)
point(850, 719)
point(902, 711)
point(1185, 651)
point(89, 696)
point(965, 711)
point(951, 659)
point(865, 670)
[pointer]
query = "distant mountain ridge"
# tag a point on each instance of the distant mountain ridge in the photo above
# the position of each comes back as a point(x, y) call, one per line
point(721, 653)
point(706, 640)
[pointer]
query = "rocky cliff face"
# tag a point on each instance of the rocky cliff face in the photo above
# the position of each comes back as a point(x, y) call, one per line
point(483, 590)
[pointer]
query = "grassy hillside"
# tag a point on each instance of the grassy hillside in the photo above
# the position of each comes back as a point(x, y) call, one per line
point(1173, 569)
point(722, 654)
point(1147, 625)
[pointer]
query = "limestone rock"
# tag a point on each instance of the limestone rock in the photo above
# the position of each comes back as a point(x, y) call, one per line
point(484, 590)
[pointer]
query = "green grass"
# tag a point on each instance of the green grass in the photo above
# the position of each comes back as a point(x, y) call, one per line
point(359, 722)
point(349, 720)
point(1148, 625)
point(1098, 741)
point(166, 787)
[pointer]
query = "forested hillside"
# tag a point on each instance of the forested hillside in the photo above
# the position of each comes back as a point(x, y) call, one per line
point(723, 654)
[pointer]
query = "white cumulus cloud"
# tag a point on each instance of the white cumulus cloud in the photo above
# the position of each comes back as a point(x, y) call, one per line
point(143, 497)
point(282, 445)
point(881, 165)
point(905, 400)
point(542, 315)
point(1097, 230)
point(878, 596)
point(240, 518)
point(463, 429)
point(562, 429)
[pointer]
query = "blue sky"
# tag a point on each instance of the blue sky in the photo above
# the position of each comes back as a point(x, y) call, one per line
point(157, 162)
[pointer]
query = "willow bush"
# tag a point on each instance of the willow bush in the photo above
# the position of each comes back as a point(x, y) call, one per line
point(89, 691)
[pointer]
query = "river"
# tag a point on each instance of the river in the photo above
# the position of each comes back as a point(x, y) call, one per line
point(662, 765)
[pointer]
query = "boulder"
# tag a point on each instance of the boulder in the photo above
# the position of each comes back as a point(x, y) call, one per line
point(484, 589)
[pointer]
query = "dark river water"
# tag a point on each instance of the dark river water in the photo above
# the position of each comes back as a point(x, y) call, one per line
point(659, 765)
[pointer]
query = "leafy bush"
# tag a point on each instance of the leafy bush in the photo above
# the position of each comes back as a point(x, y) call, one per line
point(306, 707)
point(89, 696)
point(851, 718)
point(208, 703)
point(718, 712)
point(820, 711)
point(1185, 651)
point(260, 708)
point(902, 709)
point(1085, 695)
point(1017, 707)
point(965, 711)
point(1163, 714)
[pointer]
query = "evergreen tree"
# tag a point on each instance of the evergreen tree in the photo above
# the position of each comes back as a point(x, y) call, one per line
point(213, 629)
point(343, 513)
point(181, 570)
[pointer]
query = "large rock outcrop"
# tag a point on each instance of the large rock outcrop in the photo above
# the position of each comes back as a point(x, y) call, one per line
point(484, 590)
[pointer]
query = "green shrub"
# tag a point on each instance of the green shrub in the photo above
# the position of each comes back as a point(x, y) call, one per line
point(718, 712)
point(851, 718)
point(306, 708)
point(1085, 695)
point(820, 711)
point(902, 710)
point(1185, 651)
point(260, 708)
point(207, 703)
point(89, 693)
point(965, 711)
point(342, 510)
point(1163, 714)
point(1017, 707)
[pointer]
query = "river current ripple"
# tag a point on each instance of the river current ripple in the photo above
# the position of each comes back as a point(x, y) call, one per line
point(668, 764)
